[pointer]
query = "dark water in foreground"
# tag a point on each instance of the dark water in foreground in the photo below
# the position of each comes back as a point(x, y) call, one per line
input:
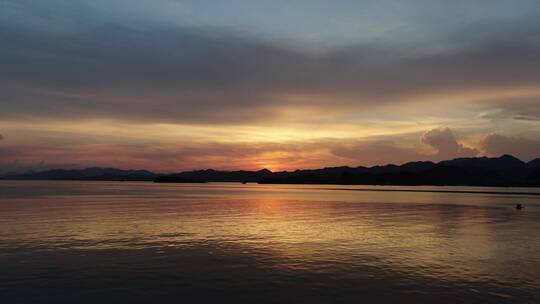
point(87, 242)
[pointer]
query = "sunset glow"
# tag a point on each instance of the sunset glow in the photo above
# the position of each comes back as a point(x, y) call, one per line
point(177, 85)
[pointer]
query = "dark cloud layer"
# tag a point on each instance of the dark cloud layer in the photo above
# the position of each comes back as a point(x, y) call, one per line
point(526, 109)
point(162, 73)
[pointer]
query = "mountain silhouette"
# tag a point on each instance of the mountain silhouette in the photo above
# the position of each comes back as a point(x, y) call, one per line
point(94, 173)
point(476, 171)
point(479, 171)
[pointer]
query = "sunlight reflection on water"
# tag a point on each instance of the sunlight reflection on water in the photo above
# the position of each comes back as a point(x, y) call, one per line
point(87, 241)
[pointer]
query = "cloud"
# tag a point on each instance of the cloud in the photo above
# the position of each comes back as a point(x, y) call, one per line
point(139, 63)
point(526, 149)
point(444, 141)
point(156, 72)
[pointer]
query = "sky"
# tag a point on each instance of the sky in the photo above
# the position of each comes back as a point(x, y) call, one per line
point(172, 85)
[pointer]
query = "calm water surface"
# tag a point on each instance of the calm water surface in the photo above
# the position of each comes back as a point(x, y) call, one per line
point(87, 242)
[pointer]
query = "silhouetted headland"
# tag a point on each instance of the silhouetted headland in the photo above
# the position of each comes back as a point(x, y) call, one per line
point(504, 171)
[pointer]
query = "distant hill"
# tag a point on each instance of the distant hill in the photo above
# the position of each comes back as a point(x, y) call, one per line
point(480, 171)
point(104, 174)
point(477, 171)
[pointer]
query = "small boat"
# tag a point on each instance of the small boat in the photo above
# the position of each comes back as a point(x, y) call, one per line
point(519, 206)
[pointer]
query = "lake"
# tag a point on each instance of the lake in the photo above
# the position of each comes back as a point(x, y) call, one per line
point(87, 242)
